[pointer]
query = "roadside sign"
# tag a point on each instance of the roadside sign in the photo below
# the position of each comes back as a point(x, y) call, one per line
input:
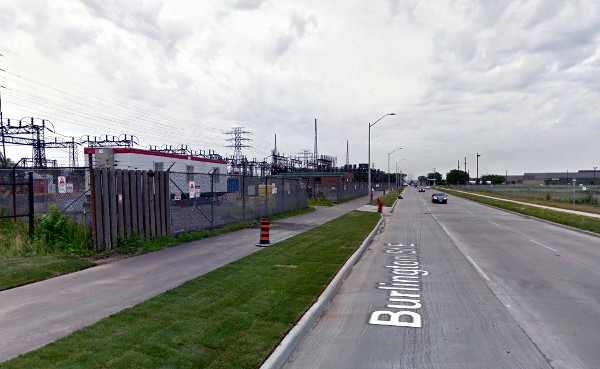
point(69, 186)
point(273, 189)
point(62, 184)
point(177, 196)
point(192, 190)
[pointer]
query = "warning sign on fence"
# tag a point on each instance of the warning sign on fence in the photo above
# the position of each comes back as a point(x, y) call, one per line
point(62, 184)
point(192, 190)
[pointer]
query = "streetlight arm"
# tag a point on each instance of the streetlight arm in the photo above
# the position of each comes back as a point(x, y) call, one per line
point(372, 124)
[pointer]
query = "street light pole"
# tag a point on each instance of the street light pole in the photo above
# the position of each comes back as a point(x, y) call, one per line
point(389, 154)
point(369, 156)
point(401, 181)
point(478, 155)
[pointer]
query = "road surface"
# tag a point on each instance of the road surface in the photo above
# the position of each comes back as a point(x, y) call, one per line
point(484, 288)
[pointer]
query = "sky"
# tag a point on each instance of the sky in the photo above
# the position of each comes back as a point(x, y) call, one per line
point(515, 81)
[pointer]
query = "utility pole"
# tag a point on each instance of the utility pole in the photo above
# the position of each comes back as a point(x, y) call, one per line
point(466, 164)
point(478, 165)
point(458, 164)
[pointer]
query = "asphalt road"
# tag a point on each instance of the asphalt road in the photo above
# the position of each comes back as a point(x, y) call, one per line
point(36, 314)
point(484, 288)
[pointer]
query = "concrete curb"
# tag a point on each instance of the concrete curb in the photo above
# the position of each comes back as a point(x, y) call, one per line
point(288, 345)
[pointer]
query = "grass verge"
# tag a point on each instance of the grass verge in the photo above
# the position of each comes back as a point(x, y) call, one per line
point(19, 271)
point(388, 199)
point(232, 317)
point(323, 202)
point(586, 207)
point(572, 220)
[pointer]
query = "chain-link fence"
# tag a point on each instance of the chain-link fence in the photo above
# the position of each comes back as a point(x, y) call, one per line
point(540, 192)
point(67, 188)
point(214, 200)
point(202, 201)
point(339, 190)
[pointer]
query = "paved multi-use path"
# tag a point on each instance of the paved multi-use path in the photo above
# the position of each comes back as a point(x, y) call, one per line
point(36, 314)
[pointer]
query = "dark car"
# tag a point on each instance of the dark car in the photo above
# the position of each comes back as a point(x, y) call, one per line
point(421, 189)
point(439, 197)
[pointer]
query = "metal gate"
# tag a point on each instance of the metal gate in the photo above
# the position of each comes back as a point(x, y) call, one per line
point(18, 192)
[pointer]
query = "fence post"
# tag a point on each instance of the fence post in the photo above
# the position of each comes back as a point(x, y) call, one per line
point(167, 196)
point(212, 199)
point(31, 206)
point(112, 202)
point(127, 202)
point(93, 202)
point(266, 195)
point(242, 190)
point(119, 195)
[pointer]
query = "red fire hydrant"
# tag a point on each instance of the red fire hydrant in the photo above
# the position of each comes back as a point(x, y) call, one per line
point(379, 205)
point(384, 191)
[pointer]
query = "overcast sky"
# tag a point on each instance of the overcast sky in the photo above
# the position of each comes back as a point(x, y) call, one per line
point(516, 81)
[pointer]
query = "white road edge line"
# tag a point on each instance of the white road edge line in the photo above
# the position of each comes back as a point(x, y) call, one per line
point(478, 269)
point(541, 244)
point(496, 224)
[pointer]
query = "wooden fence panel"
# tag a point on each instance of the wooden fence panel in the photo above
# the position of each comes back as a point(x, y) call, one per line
point(128, 203)
point(112, 200)
point(120, 210)
point(140, 203)
point(106, 210)
point(151, 204)
point(146, 205)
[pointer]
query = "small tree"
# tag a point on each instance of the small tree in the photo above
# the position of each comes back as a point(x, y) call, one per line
point(456, 176)
point(435, 176)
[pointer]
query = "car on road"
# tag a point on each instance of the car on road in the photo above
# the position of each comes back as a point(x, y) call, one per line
point(421, 189)
point(427, 187)
point(439, 197)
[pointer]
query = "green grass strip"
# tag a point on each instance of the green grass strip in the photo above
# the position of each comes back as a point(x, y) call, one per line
point(571, 220)
point(388, 199)
point(19, 271)
point(232, 317)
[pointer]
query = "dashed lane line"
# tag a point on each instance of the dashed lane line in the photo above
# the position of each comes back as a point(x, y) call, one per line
point(541, 244)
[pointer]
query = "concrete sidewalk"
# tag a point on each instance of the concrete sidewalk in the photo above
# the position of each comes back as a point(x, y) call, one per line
point(37, 314)
point(575, 212)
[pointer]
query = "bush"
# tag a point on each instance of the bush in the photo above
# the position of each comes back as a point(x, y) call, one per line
point(548, 196)
point(61, 235)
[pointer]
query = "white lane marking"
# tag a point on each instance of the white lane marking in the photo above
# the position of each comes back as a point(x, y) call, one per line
point(496, 224)
point(541, 244)
point(469, 212)
point(478, 269)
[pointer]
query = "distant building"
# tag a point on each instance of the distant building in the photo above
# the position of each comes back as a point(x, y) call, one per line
point(584, 177)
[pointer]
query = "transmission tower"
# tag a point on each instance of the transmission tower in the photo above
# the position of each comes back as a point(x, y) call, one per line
point(13, 134)
point(237, 140)
point(306, 157)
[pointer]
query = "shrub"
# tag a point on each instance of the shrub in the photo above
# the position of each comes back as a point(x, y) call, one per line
point(61, 235)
